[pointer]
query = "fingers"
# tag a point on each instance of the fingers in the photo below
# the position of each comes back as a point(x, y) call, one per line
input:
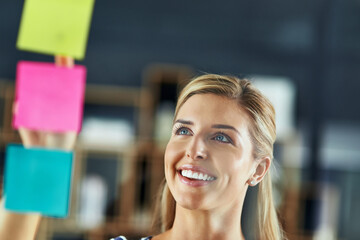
point(65, 141)
point(15, 108)
point(70, 140)
point(29, 137)
point(64, 61)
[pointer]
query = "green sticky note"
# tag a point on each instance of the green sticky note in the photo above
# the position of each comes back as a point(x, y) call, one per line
point(55, 27)
point(37, 180)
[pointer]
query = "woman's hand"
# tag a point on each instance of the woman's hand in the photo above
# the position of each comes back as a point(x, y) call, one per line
point(63, 141)
point(24, 226)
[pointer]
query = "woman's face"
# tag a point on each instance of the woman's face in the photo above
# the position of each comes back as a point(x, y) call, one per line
point(208, 160)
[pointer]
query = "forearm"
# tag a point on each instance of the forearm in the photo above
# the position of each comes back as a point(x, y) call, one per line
point(17, 226)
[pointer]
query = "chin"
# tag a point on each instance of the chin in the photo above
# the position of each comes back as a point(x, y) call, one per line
point(190, 202)
point(189, 205)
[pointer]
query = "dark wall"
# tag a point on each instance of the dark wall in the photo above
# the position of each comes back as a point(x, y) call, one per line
point(315, 43)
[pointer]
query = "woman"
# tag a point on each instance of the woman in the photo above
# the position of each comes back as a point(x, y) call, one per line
point(221, 143)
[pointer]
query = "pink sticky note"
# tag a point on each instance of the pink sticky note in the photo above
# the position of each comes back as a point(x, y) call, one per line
point(48, 97)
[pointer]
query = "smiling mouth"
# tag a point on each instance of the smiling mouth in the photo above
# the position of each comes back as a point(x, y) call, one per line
point(196, 175)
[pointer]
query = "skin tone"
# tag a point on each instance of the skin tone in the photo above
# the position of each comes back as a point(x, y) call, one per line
point(24, 226)
point(64, 61)
point(212, 141)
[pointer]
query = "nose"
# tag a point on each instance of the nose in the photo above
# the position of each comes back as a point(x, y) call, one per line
point(196, 149)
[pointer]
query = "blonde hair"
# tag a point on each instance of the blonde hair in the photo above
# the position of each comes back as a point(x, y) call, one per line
point(262, 131)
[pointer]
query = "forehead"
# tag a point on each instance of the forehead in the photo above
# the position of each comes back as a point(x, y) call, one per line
point(213, 109)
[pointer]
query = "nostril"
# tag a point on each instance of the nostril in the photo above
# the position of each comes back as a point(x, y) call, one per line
point(201, 156)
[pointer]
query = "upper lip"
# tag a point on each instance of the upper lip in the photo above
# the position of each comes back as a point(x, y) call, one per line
point(196, 169)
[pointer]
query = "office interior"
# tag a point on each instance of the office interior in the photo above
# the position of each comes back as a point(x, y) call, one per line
point(304, 55)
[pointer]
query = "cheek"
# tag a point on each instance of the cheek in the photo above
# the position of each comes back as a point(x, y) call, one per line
point(169, 153)
point(234, 164)
point(242, 171)
point(226, 158)
point(173, 153)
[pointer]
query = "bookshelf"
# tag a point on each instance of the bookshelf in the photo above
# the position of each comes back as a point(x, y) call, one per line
point(132, 169)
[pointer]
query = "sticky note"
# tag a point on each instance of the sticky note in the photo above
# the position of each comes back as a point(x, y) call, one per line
point(48, 97)
point(37, 180)
point(56, 27)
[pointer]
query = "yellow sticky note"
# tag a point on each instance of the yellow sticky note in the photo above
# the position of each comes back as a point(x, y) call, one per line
point(55, 27)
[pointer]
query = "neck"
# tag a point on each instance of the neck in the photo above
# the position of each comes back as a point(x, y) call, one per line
point(219, 224)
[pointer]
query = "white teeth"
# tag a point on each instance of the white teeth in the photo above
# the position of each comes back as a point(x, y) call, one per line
point(197, 176)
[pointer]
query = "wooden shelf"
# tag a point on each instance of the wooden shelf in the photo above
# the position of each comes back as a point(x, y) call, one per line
point(141, 172)
point(113, 95)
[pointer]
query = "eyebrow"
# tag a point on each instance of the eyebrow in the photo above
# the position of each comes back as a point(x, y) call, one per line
point(184, 122)
point(224, 126)
point(217, 126)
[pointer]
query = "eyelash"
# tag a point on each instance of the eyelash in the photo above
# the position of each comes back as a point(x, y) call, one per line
point(229, 140)
point(178, 128)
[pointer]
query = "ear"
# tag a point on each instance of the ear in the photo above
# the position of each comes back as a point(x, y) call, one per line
point(262, 167)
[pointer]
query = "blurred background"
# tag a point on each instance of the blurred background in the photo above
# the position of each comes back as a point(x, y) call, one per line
point(304, 55)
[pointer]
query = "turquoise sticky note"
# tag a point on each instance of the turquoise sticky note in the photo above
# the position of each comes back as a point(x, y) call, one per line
point(55, 27)
point(37, 180)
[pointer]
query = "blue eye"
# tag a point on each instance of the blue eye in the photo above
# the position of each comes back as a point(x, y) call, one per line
point(182, 131)
point(222, 138)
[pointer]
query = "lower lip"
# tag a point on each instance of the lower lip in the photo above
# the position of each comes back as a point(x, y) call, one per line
point(193, 182)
